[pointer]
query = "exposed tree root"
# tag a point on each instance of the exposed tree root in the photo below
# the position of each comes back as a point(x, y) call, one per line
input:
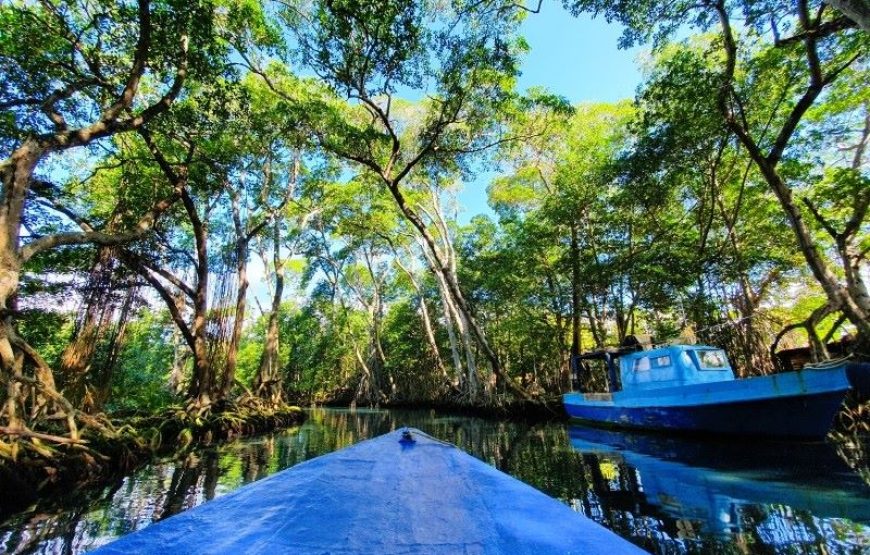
point(851, 434)
point(41, 461)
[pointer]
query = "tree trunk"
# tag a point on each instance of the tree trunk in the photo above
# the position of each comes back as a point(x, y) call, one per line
point(466, 374)
point(430, 338)
point(372, 391)
point(575, 292)
point(856, 10)
point(427, 322)
point(202, 384)
point(180, 354)
point(839, 296)
point(16, 174)
point(441, 268)
point(241, 252)
point(268, 384)
point(98, 309)
point(377, 316)
point(448, 310)
point(472, 385)
point(101, 378)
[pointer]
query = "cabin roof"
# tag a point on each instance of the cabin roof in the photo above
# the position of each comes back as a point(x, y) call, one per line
point(635, 352)
point(666, 349)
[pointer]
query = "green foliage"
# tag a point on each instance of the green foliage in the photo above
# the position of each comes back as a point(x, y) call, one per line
point(302, 124)
point(140, 382)
point(77, 57)
point(47, 331)
point(409, 361)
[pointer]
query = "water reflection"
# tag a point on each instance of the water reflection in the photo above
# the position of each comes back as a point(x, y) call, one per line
point(732, 496)
point(667, 495)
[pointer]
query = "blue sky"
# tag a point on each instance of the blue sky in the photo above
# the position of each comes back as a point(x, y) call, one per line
point(573, 57)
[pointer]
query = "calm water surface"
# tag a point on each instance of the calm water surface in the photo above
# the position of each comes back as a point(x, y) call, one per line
point(666, 495)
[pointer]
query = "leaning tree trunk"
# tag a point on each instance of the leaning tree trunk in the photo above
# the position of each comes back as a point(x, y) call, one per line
point(450, 316)
point(441, 268)
point(16, 174)
point(455, 321)
point(856, 10)
point(470, 381)
point(448, 312)
point(472, 384)
point(267, 383)
point(855, 308)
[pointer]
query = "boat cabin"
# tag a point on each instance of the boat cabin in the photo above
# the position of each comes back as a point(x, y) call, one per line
point(667, 366)
point(674, 365)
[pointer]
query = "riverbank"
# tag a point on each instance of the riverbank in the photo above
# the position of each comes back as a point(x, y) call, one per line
point(530, 410)
point(36, 469)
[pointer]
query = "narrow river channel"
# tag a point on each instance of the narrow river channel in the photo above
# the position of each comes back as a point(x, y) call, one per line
point(664, 494)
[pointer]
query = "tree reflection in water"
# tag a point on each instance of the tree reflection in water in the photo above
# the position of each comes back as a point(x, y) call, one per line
point(667, 495)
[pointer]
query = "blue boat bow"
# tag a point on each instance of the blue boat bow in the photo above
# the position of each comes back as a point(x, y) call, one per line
point(403, 492)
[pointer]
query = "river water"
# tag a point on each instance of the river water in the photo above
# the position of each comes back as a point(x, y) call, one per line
point(667, 495)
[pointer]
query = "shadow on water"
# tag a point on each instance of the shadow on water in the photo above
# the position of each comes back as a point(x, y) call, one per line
point(667, 495)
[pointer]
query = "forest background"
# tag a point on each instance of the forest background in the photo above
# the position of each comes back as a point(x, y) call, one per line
point(159, 153)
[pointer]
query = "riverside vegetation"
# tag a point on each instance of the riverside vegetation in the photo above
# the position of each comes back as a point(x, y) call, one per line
point(167, 165)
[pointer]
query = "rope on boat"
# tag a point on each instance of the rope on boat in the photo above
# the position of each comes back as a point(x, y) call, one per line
point(830, 363)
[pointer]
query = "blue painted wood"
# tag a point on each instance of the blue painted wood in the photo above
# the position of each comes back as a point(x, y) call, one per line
point(673, 365)
point(806, 416)
point(681, 394)
point(386, 495)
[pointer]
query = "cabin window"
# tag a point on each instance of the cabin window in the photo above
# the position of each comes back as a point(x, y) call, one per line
point(641, 364)
point(661, 362)
point(712, 360)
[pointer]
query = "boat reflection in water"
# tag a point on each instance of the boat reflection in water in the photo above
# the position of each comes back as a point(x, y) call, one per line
point(715, 484)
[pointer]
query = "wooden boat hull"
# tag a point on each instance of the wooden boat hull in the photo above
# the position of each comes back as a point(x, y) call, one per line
point(793, 405)
point(385, 495)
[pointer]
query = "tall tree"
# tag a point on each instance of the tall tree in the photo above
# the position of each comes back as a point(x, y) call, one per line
point(461, 54)
point(72, 75)
point(794, 53)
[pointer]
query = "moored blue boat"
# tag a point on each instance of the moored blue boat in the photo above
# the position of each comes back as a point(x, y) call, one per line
point(692, 388)
point(396, 493)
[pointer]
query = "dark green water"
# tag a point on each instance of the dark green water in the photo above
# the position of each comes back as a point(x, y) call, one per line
point(666, 495)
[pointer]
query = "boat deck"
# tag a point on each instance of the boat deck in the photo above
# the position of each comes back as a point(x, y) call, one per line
point(381, 496)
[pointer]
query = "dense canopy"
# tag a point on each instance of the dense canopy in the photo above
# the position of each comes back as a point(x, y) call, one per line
point(229, 202)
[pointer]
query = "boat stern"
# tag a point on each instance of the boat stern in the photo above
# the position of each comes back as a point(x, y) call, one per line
point(858, 374)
